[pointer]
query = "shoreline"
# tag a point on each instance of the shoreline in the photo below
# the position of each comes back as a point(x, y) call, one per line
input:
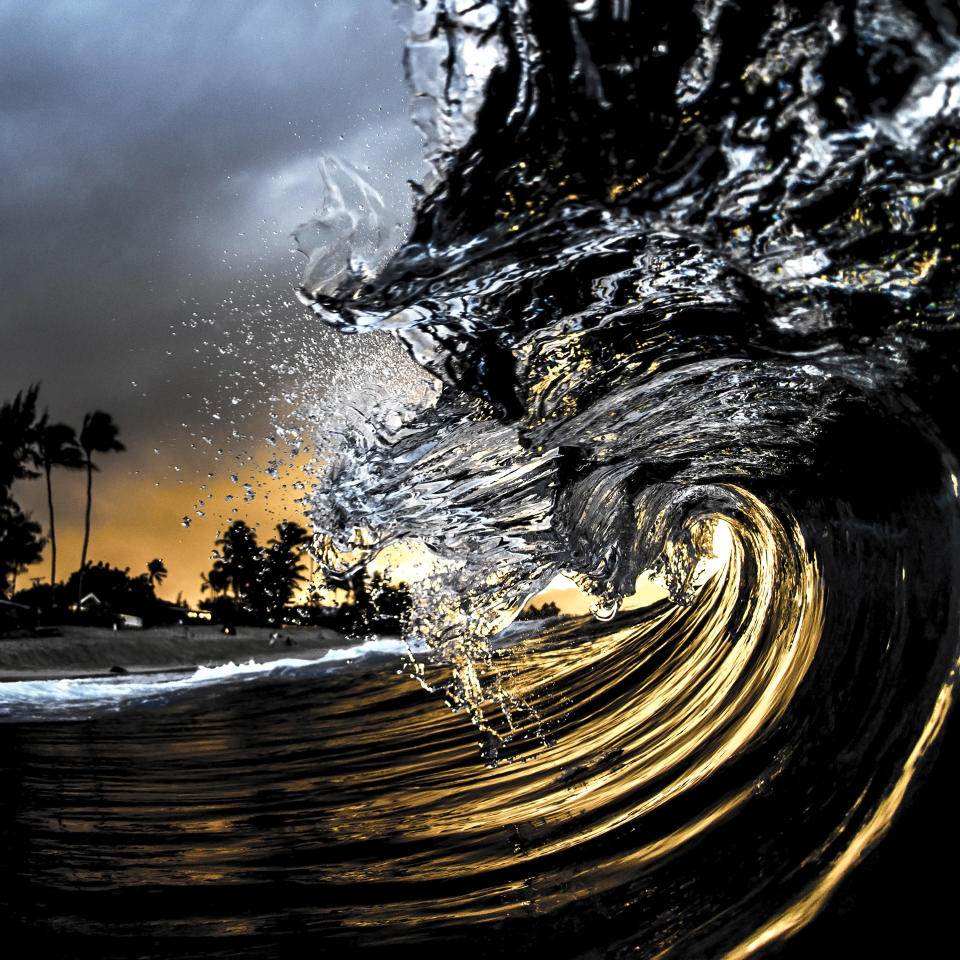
point(98, 652)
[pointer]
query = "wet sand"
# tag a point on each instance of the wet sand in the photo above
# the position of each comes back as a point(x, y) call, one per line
point(99, 651)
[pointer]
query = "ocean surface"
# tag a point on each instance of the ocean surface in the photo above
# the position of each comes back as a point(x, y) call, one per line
point(679, 299)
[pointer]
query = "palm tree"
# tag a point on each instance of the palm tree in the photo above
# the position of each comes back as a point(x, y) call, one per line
point(216, 581)
point(17, 426)
point(55, 445)
point(20, 541)
point(98, 435)
point(241, 567)
point(157, 572)
point(283, 570)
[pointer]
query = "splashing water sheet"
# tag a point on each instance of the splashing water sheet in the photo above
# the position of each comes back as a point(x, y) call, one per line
point(677, 304)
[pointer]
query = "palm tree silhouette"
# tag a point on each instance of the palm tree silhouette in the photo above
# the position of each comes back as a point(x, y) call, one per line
point(283, 570)
point(97, 435)
point(241, 566)
point(55, 445)
point(20, 542)
point(217, 581)
point(17, 426)
point(157, 572)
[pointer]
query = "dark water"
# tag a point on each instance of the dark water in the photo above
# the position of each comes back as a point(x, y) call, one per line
point(685, 278)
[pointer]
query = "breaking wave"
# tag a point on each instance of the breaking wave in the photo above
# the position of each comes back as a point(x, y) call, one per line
point(679, 275)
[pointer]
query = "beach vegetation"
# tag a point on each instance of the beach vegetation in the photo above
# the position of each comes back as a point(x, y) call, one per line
point(31, 446)
point(21, 542)
point(283, 568)
point(253, 584)
point(258, 586)
point(117, 592)
point(545, 611)
point(157, 572)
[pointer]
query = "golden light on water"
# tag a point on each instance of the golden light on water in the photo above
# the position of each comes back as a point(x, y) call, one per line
point(815, 897)
point(708, 680)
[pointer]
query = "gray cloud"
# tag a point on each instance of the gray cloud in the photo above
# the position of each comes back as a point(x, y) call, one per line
point(153, 160)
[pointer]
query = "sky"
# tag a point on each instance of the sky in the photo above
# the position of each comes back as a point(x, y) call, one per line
point(154, 161)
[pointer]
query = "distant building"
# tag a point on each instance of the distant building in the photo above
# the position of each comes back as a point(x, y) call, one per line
point(91, 603)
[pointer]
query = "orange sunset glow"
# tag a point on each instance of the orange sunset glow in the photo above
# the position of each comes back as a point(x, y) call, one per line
point(136, 518)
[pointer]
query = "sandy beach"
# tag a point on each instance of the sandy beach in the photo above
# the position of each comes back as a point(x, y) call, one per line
point(98, 651)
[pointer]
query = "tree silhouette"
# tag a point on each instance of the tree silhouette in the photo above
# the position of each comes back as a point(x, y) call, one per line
point(359, 588)
point(216, 581)
point(391, 604)
point(283, 569)
point(55, 445)
point(117, 591)
point(20, 543)
point(549, 609)
point(157, 572)
point(17, 433)
point(240, 568)
point(98, 435)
